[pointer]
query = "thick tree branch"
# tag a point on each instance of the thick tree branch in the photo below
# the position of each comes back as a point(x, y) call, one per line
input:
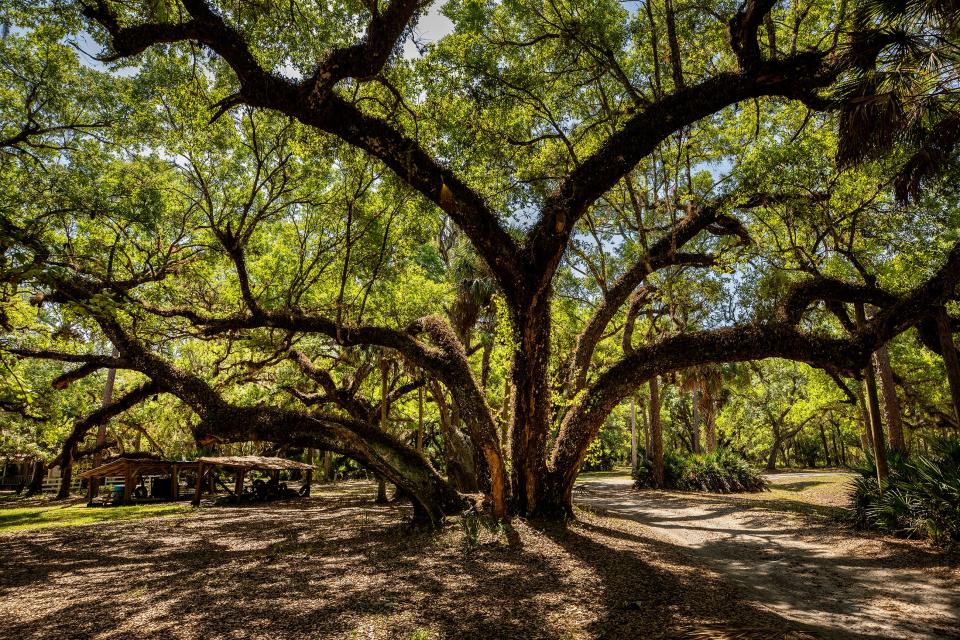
point(366, 59)
point(779, 339)
point(743, 31)
point(795, 77)
point(67, 378)
point(662, 253)
point(329, 112)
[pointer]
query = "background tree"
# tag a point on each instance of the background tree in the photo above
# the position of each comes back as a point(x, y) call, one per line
point(273, 185)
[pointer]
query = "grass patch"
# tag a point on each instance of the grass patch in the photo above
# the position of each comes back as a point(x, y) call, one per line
point(72, 515)
point(618, 472)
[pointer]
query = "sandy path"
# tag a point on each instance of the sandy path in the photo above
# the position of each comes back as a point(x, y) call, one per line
point(824, 577)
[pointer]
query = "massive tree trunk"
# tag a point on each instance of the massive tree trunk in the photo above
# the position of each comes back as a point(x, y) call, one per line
point(533, 492)
point(891, 405)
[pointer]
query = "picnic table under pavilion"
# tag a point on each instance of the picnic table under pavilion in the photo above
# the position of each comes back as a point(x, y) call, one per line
point(241, 465)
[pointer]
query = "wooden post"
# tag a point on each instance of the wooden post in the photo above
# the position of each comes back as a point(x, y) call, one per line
point(175, 482)
point(199, 490)
point(128, 476)
point(238, 484)
point(309, 482)
point(92, 485)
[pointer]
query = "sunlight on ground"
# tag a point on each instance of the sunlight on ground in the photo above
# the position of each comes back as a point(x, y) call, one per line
point(69, 515)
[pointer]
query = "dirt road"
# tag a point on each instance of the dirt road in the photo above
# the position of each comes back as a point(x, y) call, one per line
point(809, 570)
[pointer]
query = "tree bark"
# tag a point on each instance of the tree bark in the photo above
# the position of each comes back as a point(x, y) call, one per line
point(102, 427)
point(873, 409)
point(695, 422)
point(36, 479)
point(774, 449)
point(328, 466)
point(710, 426)
point(866, 437)
point(534, 494)
point(950, 359)
point(384, 422)
point(633, 434)
point(420, 420)
point(656, 433)
point(645, 421)
point(826, 449)
point(66, 475)
point(458, 453)
point(891, 405)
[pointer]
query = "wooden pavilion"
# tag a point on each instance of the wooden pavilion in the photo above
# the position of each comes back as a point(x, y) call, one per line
point(241, 465)
point(133, 469)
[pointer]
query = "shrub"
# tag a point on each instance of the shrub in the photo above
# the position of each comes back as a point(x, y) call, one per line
point(921, 497)
point(720, 471)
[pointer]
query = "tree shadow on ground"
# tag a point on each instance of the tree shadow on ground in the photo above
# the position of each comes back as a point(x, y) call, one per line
point(803, 568)
point(337, 566)
point(731, 502)
point(653, 589)
point(325, 567)
point(797, 487)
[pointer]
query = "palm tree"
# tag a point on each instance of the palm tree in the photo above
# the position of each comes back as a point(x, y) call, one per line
point(902, 90)
point(706, 383)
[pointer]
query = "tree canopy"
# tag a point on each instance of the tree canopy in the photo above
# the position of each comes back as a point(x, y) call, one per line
point(279, 225)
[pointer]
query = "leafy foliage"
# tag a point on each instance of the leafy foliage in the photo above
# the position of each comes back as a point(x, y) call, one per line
point(921, 498)
point(720, 471)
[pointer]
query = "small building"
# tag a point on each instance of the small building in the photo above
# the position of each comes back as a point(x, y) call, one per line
point(16, 470)
point(165, 476)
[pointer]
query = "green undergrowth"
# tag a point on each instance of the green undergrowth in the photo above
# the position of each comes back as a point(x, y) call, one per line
point(720, 471)
point(920, 499)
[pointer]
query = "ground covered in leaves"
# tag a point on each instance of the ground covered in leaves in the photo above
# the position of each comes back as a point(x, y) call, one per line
point(791, 551)
point(336, 565)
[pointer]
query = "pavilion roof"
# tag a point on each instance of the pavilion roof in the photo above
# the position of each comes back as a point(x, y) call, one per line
point(264, 463)
point(141, 464)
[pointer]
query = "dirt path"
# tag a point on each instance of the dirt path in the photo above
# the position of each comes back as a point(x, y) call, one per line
point(808, 570)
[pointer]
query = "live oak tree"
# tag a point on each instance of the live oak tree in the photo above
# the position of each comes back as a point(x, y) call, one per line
point(265, 190)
